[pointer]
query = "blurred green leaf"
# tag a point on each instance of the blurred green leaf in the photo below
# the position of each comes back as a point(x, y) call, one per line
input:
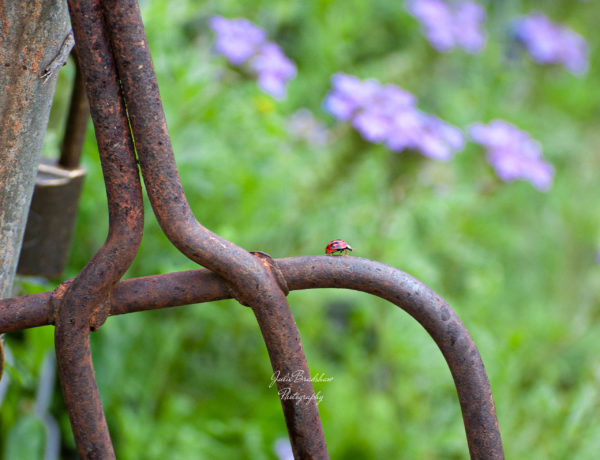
point(26, 439)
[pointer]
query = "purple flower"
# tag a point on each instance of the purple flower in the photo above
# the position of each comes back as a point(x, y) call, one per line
point(242, 42)
point(439, 140)
point(513, 154)
point(406, 132)
point(574, 52)
point(447, 26)
point(468, 29)
point(551, 43)
point(237, 39)
point(274, 69)
point(349, 94)
point(373, 125)
point(304, 125)
point(388, 114)
point(283, 449)
point(436, 19)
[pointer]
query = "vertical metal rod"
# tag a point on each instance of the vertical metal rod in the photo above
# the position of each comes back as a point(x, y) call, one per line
point(86, 301)
point(77, 120)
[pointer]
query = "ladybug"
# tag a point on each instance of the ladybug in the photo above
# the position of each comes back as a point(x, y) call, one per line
point(338, 247)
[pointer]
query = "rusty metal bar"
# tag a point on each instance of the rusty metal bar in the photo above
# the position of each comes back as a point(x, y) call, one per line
point(128, 296)
point(253, 280)
point(77, 120)
point(430, 310)
point(83, 304)
point(411, 295)
point(27, 311)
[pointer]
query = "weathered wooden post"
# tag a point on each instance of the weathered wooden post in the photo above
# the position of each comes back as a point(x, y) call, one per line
point(31, 34)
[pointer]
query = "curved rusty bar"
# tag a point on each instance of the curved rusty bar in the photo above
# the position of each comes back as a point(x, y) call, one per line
point(440, 321)
point(390, 283)
point(157, 162)
point(83, 304)
point(423, 304)
point(253, 278)
point(430, 310)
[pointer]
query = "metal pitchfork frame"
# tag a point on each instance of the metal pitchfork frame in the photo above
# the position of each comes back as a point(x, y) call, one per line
point(114, 57)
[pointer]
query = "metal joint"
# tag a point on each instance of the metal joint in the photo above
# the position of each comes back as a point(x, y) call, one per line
point(56, 299)
point(270, 264)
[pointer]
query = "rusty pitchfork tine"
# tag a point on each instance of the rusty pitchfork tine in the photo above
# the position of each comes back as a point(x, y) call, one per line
point(253, 279)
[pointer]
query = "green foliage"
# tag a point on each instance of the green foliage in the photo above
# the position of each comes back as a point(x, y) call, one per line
point(25, 439)
point(517, 265)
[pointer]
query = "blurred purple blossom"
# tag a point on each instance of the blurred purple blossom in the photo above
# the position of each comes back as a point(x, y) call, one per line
point(237, 39)
point(513, 154)
point(551, 43)
point(388, 114)
point(283, 449)
point(303, 125)
point(447, 25)
point(274, 69)
point(242, 42)
point(469, 18)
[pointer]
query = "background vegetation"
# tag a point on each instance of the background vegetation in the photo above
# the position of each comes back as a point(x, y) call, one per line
point(519, 266)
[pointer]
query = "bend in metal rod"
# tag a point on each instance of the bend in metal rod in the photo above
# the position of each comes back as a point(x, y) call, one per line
point(252, 281)
point(85, 301)
point(435, 315)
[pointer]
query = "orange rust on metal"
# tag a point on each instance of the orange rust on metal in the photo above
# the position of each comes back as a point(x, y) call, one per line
point(270, 265)
point(19, 313)
point(21, 22)
point(84, 303)
point(56, 299)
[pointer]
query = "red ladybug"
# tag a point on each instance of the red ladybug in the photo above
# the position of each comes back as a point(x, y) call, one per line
point(338, 247)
